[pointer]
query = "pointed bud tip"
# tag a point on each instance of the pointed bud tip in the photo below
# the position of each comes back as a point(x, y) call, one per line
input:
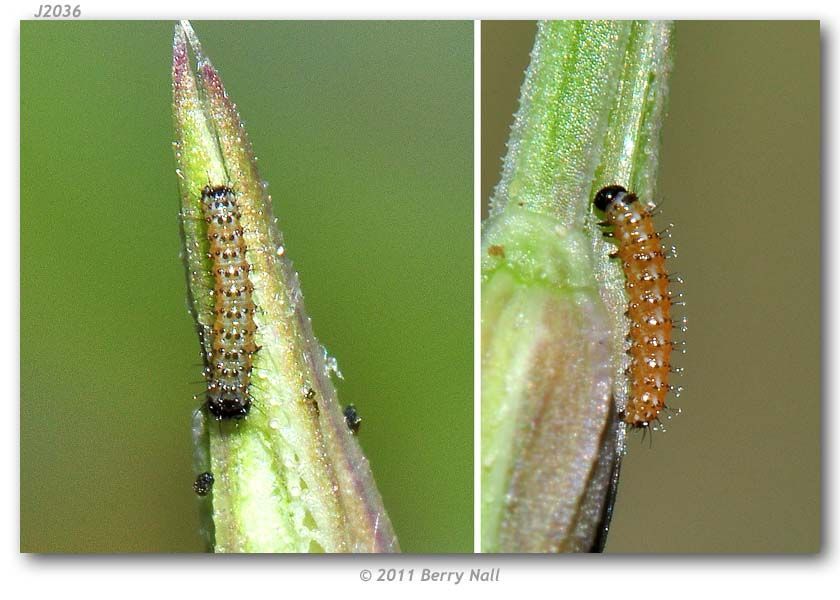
point(192, 38)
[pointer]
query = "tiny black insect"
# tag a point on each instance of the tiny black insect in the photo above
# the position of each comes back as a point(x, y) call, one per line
point(203, 484)
point(310, 394)
point(354, 421)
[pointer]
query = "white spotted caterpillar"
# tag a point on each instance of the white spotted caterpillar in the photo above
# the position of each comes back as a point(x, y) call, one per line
point(231, 345)
point(649, 309)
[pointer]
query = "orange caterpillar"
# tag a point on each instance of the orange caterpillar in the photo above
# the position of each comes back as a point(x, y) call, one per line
point(649, 311)
point(232, 346)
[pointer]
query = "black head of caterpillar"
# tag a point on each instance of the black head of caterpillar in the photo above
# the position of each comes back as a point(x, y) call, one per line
point(612, 193)
point(231, 337)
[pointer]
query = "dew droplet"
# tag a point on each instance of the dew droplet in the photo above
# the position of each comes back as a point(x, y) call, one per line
point(332, 366)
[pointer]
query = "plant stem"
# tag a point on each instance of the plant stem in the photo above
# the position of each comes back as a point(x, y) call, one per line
point(290, 477)
point(553, 303)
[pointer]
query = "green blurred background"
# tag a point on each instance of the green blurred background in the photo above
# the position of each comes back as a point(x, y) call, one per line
point(739, 469)
point(364, 131)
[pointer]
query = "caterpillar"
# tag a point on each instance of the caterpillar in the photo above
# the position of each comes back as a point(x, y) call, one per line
point(649, 308)
point(231, 344)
